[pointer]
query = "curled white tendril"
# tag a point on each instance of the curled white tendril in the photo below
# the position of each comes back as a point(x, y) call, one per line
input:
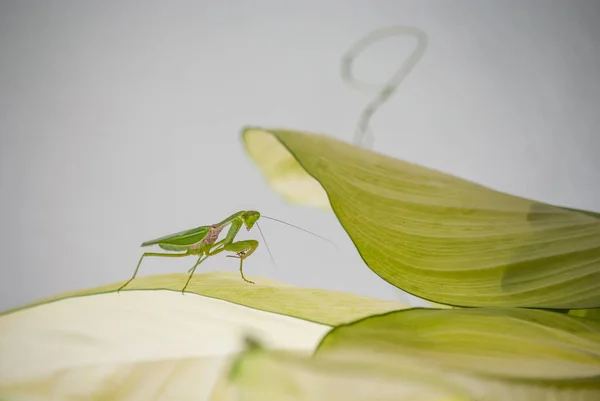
point(363, 136)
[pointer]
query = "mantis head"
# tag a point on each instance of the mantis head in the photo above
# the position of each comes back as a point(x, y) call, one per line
point(249, 218)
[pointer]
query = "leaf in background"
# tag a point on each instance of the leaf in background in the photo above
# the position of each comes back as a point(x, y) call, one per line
point(520, 344)
point(434, 235)
point(283, 172)
point(158, 344)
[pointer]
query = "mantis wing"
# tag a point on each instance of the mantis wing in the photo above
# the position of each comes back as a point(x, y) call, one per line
point(181, 240)
point(174, 248)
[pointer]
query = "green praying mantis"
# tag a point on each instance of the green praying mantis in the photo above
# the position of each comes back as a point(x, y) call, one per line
point(202, 241)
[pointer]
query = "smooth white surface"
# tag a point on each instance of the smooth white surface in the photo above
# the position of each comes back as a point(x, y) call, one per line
point(120, 120)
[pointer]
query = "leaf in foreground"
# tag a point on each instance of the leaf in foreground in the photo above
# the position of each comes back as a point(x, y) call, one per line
point(519, 344)
point(157, 344)
point(264, 375)
point(266, 294)
point(363, 374)
point(593, 314)
point(434, 235)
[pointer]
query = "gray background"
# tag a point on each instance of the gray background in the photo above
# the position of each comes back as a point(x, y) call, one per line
point(120, 122)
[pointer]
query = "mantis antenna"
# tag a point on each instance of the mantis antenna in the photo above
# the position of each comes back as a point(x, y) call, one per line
point(363, 136)
point(299, 228)
point(291, 225)
point(266, 244)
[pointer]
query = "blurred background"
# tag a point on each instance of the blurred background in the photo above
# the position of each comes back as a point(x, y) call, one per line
point(120, 122)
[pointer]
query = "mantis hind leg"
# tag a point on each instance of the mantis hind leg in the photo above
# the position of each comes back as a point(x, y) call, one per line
point(164, 255)
point(242, 250)
point(192, 270)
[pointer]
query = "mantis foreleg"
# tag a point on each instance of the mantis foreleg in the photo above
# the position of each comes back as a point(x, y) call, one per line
point(236, 225)
point(164, 255)
point(242, 250)
point(219, 246)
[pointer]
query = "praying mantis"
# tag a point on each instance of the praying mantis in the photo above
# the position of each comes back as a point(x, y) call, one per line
point(202, 241)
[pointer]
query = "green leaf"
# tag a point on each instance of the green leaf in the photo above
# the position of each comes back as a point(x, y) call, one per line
point(363, 374)
point(267, 295)
point(587, 212)
point(593, 314)
point(519, 344)
point(434, 235)
point(264, 375)
point(152, 342)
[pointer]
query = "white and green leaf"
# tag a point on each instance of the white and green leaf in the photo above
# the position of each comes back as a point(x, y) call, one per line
point(152, 342)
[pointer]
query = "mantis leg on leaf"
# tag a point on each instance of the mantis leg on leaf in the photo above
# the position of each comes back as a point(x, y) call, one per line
point(242, 250)
point(156, 254)
point(192, 270)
